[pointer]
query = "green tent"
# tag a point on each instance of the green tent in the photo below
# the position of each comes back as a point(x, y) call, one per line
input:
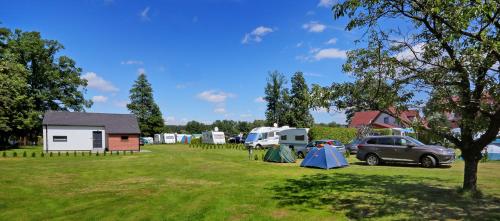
point(281, 154)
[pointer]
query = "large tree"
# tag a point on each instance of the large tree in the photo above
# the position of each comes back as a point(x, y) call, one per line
point(446, 61)
point(46, 80)
point(195, 127)
point(276, 98)
point(300, 103)
point(144, 107)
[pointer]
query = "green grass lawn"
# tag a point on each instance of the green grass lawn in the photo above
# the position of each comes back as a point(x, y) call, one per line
point(175, 182)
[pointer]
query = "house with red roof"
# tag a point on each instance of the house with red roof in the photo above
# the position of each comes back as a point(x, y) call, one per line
point(380, 120)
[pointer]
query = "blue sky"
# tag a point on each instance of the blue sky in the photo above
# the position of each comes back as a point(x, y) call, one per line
point(205, 59)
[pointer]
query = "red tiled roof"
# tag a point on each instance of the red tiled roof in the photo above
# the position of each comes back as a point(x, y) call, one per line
point(363, 118)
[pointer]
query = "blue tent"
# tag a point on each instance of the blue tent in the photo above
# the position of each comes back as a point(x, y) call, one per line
point(493, 151)
point(186, 139)
point(326, 157)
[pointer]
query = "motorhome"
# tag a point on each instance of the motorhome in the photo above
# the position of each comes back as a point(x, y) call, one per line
point(179, 137)
point(158, 139)
point(262, 137)
point(169, 138)
point(296, 138)
point(213, 137)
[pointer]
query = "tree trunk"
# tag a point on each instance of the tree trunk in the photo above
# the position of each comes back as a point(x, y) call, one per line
point(470, 174)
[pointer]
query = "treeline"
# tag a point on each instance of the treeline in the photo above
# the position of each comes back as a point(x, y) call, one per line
point(288, 106)
point(229, 127)
point(35, 78)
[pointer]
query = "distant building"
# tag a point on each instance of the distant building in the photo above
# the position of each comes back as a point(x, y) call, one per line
point(378, 119)
point(79, 131)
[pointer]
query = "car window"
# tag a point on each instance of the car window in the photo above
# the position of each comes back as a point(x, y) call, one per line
point(372, 141)
point(401, 141)
point(337, 143)
point(385, 141)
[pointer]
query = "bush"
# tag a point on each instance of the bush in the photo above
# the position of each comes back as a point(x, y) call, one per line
point(42, 154)
point(131, 152)
point(4, 154)
point(14, 154)
point(256, 157)
point(344, 135)
point(33, 154)
point(74, 153)
point(117, 152)
point(83, 154)
point(25, 154)
point(58, 154)
point(383, 132)
point(67, 154)
point(97, 153)
point(50, 154)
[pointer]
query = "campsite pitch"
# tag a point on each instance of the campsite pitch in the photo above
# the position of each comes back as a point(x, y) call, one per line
point(176, 182)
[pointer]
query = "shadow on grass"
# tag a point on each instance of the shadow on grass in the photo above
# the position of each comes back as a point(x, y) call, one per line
point(389, 197)
point(403, 164)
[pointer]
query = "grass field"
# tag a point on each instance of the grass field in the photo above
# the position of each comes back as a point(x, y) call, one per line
point(175, 182)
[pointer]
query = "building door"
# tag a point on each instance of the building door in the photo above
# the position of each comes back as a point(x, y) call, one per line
point(97, 139)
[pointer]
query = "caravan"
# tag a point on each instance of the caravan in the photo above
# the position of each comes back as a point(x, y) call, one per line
point(179, 137)
point(158, 139)
point(296, 138)
point(262, 137)
point(169, 138)
point(213, 137)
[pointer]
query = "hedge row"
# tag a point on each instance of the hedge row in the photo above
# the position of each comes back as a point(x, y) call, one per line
point(344, 135)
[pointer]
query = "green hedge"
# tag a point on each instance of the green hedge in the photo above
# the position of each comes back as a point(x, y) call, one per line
point(383, 131)
point(344, 135)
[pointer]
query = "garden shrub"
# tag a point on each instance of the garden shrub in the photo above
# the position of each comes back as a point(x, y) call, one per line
point(256, 157)
point(67, 153)
point(97, 153)
point(33, 154)
point(83, 154)
point(104, 153)
point(42, 154)
point(58, 154)
point(344, 135)
point(4, 154)
point(117, 152)
point(25, 154)
point(50, 154)
point(131, 152)
point(383, 132)
point(74, 153)
point(14, 154)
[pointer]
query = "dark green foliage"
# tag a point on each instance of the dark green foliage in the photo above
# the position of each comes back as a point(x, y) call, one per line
point(58, 154)
point(275, 88)
point(117, 152)
point(4, 154)
point(74, 153)
point(14, 154)
point(300, 103)
point(104, 153)
point(25, 154)
point(83, 154)
point(256, 157)
point(67, 154)
point(195, 127)
point(97, 153)
point(131, 152)
point(124, 152)
point(51, 154)
point(42, 154)
point(144, 107)
point(33, 154)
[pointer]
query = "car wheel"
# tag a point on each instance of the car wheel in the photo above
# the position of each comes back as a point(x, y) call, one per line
point(300, 154)
point(372, 160)
point(258, 146)
point(428, 161)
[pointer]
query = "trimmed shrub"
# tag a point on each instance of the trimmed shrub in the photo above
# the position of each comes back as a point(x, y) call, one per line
point(58, 154)
point(124, 152)
point(256, 157)
point(42, 154)
point(67, 154)
point(131, 152)
point(25, 154)
point(4, 154)
point(117, 152)
point(104, 153)
point(74, 153)
point(14, 154)
point(51, 154)
point(97, 153)
point(83, 154)
point(33, 154)
point(344, 135)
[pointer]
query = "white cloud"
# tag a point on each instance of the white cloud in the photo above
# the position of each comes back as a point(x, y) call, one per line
point(407, 54)
point(141, 71)
point(220, 110)
point(331, 41)
point(171, 120)
point(145, 14)
point(99, 99)
point(314, 26)
point(259, 100)
point(326, 3)
point(214, 96)
point(96, 82)
point(131, 62)
point(121, 103)
point(330, 53)
point(256, 35)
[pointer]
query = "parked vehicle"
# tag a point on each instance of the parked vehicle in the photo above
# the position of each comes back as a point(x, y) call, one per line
point(334, 143)
point(263, 137)
point(297, 139)
point(168, 138)
point(158, 139)
point(236, 139)
point(377, 149)
point(352, 146)
point(213, 137)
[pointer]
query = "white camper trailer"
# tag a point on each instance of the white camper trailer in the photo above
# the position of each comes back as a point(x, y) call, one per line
point(169, 138)
point(213, 137)
point(262, 137)
point(158, 139)
point(296, 138)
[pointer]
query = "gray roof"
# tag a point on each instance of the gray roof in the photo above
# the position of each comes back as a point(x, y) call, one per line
point(113, 123)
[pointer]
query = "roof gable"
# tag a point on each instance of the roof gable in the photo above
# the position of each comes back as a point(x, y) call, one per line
point(114, 123)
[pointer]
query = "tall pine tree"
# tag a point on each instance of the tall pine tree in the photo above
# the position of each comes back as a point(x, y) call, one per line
point(144, 107)
point(300, 103)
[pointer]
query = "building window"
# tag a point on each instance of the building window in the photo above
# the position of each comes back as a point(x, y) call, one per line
point(60, 138)
point(124, 138)
point(283, 137)
point(300, 138)
point(386, 120)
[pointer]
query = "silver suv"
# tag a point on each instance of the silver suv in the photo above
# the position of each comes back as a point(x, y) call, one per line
point(377, 149)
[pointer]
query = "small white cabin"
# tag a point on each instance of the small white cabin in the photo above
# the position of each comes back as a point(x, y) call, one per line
point(213, 137)
point(168, 138)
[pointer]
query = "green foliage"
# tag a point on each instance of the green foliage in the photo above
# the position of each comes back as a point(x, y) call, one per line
point(74, 153)
point(58, 154)
point(256, 157)
point(195, 127)
point(274, 97)
point(104, 153)
point(67, 153)
point(384, 131)
point(42, 154)
point(33, 154)
point(25, 154)
point(344, 135)
point(97, 153)
point(300, 103)
point(14, 154)
point(144, 107)
point(4, 154)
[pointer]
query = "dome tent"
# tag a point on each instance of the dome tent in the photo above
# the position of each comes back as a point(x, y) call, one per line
point(326, 157)
point(281, 154)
